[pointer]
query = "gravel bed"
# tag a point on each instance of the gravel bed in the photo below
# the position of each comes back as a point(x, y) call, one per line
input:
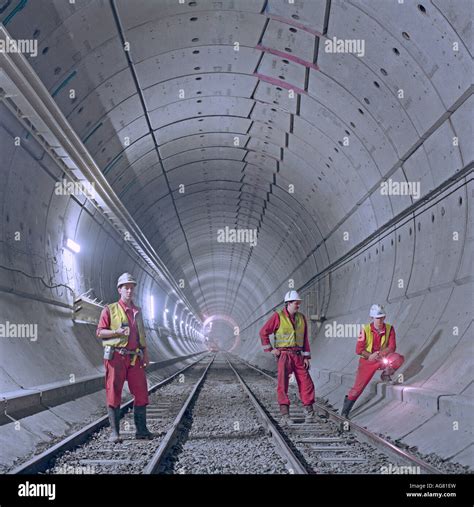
point(317, 461)
point(222, 433)
point(99, 456)
point(444, 466)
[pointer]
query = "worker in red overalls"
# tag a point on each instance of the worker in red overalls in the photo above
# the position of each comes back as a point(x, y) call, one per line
point(125, 357)
point(293, 354)
point(376, 345)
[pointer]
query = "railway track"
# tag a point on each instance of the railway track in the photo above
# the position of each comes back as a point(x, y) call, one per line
point(331, 444)
point(89, 451)
point(220, 415)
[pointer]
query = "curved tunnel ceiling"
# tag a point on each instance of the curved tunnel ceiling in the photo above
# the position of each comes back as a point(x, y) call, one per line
point(234, 114)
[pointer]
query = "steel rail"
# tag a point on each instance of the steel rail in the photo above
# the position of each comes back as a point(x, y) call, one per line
point(42, 462)
point(296, 465)
point(161, 453)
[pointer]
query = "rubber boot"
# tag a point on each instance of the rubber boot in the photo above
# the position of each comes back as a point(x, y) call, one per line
point(386, 375)
point(139, 415)
point(285, 415)
point(348, 404)
point(114, 419)
point(309, 416)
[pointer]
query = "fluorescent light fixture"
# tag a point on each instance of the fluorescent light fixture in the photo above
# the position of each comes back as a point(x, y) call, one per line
point(175, 316)
point(182, 322)
point(73, 246)
point(152, 307)
point(166, 310)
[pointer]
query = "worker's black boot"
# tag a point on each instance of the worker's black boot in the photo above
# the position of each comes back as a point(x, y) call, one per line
point(114, 419)
point(139, 415)
point(285, 415)
point(309, 414)
point(387, 375)
point(348, 404)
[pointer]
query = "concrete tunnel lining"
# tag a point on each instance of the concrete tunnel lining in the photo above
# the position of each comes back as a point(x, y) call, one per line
point(282, 142)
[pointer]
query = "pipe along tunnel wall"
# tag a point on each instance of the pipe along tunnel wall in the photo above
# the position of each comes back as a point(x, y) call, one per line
point(416, 267)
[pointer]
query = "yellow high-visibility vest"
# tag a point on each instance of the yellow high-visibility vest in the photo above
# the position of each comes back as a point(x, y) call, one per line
point(119, 317)
point(287, 335)
point(369, 337)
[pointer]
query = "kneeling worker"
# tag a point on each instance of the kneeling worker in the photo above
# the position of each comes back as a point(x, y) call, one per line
point(125, 357)
point(376, 345)
point(292, 352)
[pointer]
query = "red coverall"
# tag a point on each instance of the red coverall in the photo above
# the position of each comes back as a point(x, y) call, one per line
point(290, 362)
point(368, 368)
point(119, 369)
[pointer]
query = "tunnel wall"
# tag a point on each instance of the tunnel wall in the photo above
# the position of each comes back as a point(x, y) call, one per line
point(44, 220)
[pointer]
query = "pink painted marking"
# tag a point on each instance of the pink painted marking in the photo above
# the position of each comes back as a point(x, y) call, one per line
point(277, 82)
point(296, 25)
point(287, 56)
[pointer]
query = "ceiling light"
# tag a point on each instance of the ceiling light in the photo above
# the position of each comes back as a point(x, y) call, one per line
point(73, 246)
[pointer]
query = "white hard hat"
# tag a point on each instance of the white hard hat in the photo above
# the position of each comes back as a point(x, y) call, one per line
point(377, 311)
point(125, 278)
point(292, 295)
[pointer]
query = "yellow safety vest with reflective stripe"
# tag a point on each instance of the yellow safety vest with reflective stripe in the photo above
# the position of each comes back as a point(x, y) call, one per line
point(118, 317)
point(287, 335)
point(369, 337)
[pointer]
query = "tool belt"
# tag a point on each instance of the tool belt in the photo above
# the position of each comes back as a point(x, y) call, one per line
point(135, 353)
point(127, 352)
point(295, 352)
point(109, 352)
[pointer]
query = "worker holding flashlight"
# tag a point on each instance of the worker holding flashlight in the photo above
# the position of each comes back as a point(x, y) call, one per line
point(376, 345)
point(122, 331)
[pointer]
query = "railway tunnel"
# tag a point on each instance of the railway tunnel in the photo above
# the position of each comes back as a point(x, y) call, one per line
point(225, 153)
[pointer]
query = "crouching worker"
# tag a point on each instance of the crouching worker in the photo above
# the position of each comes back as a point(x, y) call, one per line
point(125, 357)
point(292, 353)
point(376, 345)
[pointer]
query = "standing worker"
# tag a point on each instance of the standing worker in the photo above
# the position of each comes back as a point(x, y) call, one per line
point(376, 345)
point(125, 357)
point(292, 352)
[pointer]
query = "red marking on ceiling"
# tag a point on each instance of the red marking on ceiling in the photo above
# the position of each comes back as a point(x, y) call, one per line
point(277, 82)
point(296, 25)
point(288, 56)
